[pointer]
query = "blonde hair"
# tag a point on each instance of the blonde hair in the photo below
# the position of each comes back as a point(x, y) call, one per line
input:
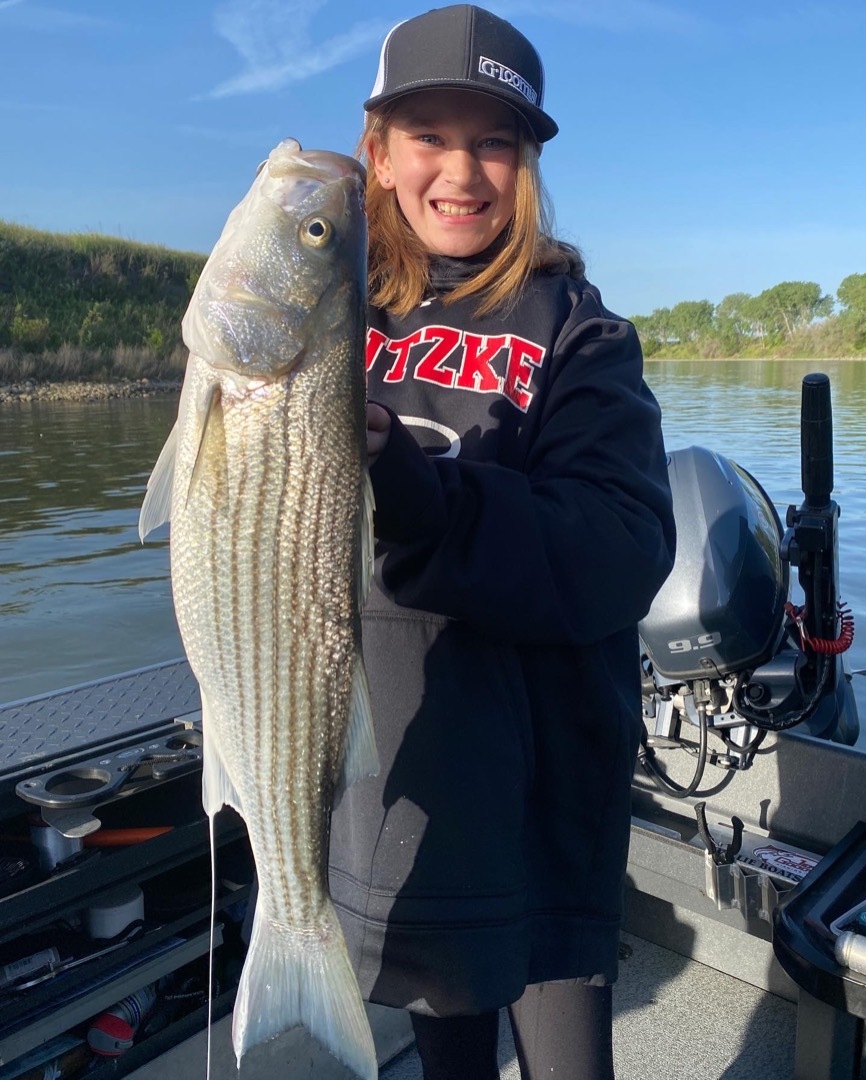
point(398, 272)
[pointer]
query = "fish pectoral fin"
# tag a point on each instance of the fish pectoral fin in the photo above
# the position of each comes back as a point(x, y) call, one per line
point(217, 789)
point(204, 411)
point(211, 464)
point(303, 979)
point(368, 542)
point(361, 757)
point(156, 508)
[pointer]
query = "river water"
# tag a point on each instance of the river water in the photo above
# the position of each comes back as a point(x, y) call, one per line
point(80, 597)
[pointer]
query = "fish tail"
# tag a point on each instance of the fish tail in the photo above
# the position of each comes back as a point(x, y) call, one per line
point(305, 978)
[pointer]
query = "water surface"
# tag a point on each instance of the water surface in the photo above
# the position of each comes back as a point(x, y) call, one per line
point(80, 597)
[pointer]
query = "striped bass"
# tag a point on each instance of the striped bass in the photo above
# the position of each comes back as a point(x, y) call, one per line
point(264, 478)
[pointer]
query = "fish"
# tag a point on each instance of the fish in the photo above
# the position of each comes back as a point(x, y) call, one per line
point(264, 480)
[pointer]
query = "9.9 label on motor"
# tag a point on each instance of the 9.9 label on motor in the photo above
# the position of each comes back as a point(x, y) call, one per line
point(702, 641)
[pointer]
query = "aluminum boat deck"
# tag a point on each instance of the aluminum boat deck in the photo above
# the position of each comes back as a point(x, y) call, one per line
point(675, 1018)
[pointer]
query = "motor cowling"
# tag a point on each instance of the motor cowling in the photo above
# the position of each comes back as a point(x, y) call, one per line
point(722, 608)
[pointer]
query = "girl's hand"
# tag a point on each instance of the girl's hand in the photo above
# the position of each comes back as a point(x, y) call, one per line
point(378, 430)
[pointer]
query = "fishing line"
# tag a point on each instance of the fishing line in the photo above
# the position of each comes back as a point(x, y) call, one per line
point(210, 966)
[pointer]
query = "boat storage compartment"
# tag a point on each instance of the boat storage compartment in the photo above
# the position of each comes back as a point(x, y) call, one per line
point(820, 940)
point(801, 805)
point(105, 894)
point(105, 879)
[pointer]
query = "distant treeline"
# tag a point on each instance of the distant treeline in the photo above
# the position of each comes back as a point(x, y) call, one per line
point(90, 307)
point(99, 309)
point(792, 318)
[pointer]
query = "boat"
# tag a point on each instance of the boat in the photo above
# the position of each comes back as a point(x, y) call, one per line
point(746, 883)
point(748, 847)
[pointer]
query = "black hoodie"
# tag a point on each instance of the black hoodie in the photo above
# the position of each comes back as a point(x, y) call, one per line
point(523, 527)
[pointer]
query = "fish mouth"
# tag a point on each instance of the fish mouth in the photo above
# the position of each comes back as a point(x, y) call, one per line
point(294, 178)
point(289, 160)
point(333, 166)
point(330, 180)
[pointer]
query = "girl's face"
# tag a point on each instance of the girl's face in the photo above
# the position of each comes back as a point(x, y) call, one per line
point(451, 156)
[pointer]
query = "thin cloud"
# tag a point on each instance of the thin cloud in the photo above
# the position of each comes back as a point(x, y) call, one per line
point(275, 41)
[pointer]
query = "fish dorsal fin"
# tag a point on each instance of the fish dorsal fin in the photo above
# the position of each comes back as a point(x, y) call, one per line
point(368, 506)
point(156, 508)
point(361, 757)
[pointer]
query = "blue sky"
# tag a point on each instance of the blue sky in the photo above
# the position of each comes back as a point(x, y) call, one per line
point(705, 147)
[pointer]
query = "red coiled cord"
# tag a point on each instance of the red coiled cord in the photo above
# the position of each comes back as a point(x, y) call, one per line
point(823, 645)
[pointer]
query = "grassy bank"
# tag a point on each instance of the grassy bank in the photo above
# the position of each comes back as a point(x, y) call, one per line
point(85, 307)
point(71, 364)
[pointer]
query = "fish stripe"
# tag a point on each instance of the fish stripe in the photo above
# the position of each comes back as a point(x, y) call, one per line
point(278, 575)
point(265, 550)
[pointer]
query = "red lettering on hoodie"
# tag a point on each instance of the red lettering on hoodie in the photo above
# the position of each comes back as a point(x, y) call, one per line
point(429, 369)
point(522, 357)
point(400, 348)
point(473, 361)
point(476, 372)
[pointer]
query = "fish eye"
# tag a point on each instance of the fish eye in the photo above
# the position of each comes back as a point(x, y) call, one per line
point(316, 232)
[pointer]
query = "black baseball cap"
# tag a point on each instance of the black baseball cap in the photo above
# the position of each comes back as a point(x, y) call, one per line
point(466, 48)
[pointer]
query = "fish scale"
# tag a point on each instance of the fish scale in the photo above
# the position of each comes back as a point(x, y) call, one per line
point(278, 606)
point(265, 481)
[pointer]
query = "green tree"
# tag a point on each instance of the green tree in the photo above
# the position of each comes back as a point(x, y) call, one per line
point(660, 326)
point(852, 294)
point(691, 320)
point(791, 305)
point(734, 315)
point(644, 326)
point(852, 318)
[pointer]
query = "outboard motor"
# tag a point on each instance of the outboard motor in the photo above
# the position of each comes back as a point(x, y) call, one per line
point(724, 649)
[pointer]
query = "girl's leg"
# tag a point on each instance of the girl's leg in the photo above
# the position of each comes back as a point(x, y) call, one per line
point(565, 1030)
point(458, 1047)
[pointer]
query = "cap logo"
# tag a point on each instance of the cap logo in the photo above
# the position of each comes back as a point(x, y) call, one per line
point(494, 70)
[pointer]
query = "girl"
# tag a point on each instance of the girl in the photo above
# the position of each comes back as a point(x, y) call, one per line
point(523, 526)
